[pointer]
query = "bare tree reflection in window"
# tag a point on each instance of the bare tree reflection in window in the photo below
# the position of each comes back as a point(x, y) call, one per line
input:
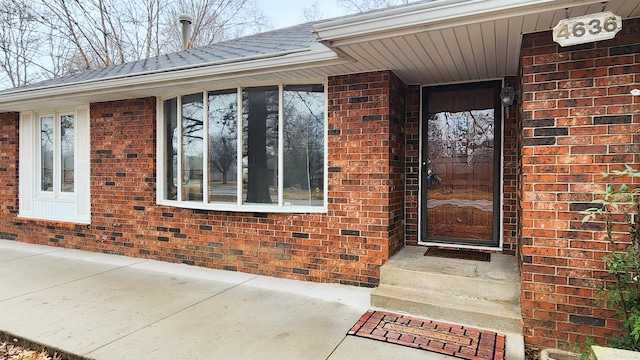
point(46, 153)
point(223, 114)
point(67, 140)
point(304, 144)
point(260, 127)
point(192, 147)
point(171, 148)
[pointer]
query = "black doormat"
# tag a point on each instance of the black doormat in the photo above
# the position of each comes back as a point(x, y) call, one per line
point(458, 254)
point(454, 340)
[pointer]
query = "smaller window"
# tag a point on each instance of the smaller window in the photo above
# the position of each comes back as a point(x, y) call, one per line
point(57, 154)
point(54, 165)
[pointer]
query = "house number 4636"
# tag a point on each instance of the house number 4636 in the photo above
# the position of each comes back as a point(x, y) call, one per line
point(588, 28)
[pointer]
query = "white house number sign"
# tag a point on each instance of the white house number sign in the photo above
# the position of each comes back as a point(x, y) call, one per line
point(588, 28)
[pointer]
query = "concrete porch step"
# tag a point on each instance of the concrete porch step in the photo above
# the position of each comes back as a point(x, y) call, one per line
point(497, 316)
point(498, 280)
point(478, 294)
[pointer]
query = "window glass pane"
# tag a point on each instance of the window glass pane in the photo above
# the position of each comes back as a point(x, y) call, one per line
point(223, 139)
point(67, 141)
point(171, 148)
point(192, 149)
point(260, 144)
point(304, 145)
point(47, 142)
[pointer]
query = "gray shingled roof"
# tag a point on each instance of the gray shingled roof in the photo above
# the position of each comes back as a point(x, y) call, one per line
point(292, 38)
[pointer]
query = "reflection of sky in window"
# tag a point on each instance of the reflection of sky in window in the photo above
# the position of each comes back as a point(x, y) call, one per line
point(67, 129)
point(464, 132)
point(222, 114)
point(46, 133)
point(192, 118)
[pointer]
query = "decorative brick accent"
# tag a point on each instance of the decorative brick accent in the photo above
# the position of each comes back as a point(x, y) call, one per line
point(578, 121)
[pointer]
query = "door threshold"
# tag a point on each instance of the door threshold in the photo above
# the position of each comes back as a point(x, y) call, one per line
point(461, 246)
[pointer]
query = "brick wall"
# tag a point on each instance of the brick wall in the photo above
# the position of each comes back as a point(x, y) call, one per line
point(578, 121)
point(412, 151)
point(510, 155)
point(397, 159)
point(362, 228)
point(9, 143)
point(366, 159)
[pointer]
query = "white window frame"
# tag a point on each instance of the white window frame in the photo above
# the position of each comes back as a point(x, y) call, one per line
point(239, 206)
point(56, 205)
point(57, 192)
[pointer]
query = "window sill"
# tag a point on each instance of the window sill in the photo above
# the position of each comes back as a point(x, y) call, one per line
point(65, 223)
point(248, 208)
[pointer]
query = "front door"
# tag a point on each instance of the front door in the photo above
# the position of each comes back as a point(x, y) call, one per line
point(461, 165)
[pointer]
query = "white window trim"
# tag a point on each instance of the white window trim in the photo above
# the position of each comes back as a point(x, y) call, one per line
point(73, 207)
point(239, 206)
point(56, 193)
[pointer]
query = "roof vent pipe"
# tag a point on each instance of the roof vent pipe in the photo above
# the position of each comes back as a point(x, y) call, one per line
point(185, 20)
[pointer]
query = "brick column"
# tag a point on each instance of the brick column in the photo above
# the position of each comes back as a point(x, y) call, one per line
point(366, 158)
point(578, 122)
point(9, 128)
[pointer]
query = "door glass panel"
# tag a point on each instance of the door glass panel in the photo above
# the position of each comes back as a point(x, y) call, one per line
point(460, 165)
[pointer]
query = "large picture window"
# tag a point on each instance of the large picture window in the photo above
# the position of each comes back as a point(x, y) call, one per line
point(247, 149)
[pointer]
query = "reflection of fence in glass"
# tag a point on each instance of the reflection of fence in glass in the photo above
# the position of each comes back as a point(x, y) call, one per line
point(461, 204)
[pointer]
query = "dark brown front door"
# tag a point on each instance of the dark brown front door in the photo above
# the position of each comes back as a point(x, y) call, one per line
point(461, 163)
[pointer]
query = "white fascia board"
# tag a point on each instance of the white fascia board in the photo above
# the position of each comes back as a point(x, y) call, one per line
point(430, 16)
point(314, 56)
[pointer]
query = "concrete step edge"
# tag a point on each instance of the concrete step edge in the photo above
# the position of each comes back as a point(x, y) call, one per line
point(498, 316)
point(390, 268)
point(452, 285)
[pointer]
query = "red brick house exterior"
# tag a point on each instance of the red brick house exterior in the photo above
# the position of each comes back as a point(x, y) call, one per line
point(576, 120)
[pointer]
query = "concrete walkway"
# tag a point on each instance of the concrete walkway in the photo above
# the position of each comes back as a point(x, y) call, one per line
point(113, 307)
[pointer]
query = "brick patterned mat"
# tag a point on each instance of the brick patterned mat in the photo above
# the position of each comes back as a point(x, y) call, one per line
point(460, 341)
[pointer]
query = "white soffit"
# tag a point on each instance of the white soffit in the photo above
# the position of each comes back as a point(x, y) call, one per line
point(452, 40)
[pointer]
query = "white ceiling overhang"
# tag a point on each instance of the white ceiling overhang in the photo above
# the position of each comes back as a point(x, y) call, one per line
point(443, 41)
point(451, 41)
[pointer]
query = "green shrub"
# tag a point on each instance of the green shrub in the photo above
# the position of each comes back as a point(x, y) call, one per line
point(620, 205)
